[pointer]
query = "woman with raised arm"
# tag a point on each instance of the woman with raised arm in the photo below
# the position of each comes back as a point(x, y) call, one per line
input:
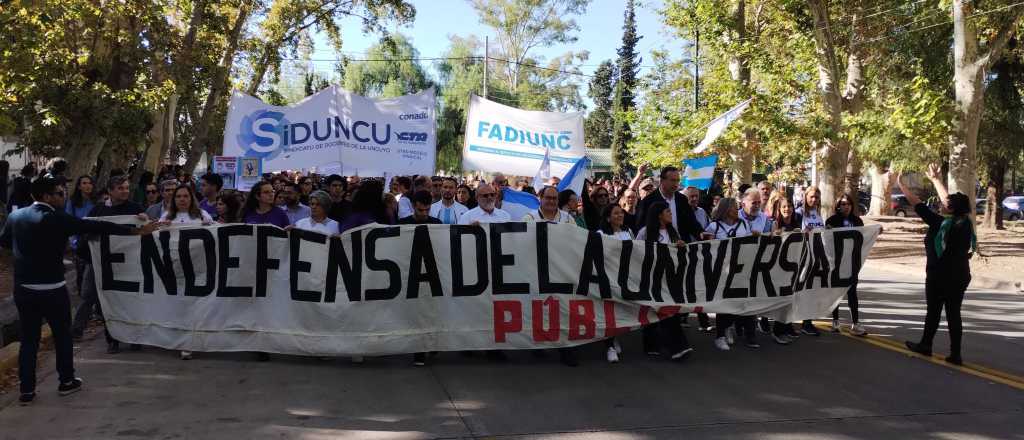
point(949, 245)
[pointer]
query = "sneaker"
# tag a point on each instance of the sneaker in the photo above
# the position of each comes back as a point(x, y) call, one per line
point(721, 344)
point(357, 359)
point(781, 339)
point(616, 346)
point(791, 333)
point(419, 359)
point(858, 330)
point(70, 387)
point(708, 329)
point(764, 326)
point(751, 343)
point(113, 347)
point(918, 348)
point(613, 355)
point(730, 335)
point(682, 355)
point(186, 355)
point(810, 329)
point(26, 398)
point(835, 326)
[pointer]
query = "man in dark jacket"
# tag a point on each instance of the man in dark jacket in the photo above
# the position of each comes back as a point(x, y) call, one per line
point(38, 235)
point(120, 204)
point(668, 192)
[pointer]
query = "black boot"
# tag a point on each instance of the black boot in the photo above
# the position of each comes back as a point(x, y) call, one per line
point(919, 349)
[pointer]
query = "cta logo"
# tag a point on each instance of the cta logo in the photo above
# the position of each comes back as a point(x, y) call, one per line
point(412, 137)
point(262, 133)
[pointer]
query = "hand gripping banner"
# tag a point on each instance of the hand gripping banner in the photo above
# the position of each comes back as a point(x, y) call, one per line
point(401, 289)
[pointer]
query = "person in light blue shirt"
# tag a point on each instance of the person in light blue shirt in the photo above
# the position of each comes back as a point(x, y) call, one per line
point(752, 214)
point(83, 199)
point(447, 209)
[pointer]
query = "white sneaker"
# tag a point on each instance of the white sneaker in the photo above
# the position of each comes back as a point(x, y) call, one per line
point(616, 346)
point(781, 340)
point(357, 359)
point(613, 356)
point(858, 330)
point(835, 326)
point(186, 355)
point(721, 344)
point(730, 335)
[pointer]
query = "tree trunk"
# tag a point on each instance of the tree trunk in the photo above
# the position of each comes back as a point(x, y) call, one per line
point(742, 168)
point(994, 196)
point(217, 88)
point(851, 184)
point(82, 157)
point(742, 155)
point(261, 68)
point(882, 181)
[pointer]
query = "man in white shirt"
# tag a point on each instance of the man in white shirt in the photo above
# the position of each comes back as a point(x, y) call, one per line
point(549, 211)
point(402, 186)
point(485, 212)
point(751, 213)
point(447, 209)
point(693, 196)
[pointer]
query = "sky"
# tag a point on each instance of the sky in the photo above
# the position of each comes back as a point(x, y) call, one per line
point(600, 33)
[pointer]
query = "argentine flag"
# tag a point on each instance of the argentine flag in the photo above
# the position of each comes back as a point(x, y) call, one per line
point(718, 126)
point(517, 203)
point(544, 173)
point(574, 178)
point(699, 171)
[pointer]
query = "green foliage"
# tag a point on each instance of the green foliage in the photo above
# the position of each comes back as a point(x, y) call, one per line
point(624, 100)
point(599, 123)
point(387, 79)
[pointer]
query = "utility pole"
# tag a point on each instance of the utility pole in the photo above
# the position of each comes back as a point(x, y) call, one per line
point(487, 57)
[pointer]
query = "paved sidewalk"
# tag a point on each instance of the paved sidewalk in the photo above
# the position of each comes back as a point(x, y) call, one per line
point(827, 387)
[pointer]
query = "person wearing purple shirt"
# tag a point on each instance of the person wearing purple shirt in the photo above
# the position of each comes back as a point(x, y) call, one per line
point(209, 186)
point(260, 208)
point(367, 206)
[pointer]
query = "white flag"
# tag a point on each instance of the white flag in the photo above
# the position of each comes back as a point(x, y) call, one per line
point(544, 172)
point(718, 126)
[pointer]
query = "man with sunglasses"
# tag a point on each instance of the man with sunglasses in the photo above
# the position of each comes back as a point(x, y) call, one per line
point(38, 235)
point(486, 211)
point(167, 188)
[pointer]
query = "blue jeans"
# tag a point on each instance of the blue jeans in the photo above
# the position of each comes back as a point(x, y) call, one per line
point(55, 307)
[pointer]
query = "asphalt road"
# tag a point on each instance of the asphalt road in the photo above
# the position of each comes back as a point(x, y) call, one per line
point(834, 386)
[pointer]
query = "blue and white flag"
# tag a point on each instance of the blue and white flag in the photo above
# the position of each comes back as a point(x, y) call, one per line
point(699, 171)
point(574, 178)
point(544, 173)
point(517, 203)
point(719, 124)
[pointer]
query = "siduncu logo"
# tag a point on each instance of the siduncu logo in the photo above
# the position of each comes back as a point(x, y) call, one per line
point(261, 133)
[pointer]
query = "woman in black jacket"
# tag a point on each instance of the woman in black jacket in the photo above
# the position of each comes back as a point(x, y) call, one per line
point(949, 245)
point(846, 216)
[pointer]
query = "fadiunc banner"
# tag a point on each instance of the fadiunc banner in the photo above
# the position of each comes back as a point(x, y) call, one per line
point(401, 289)
point(505, 139)
point(337, 130)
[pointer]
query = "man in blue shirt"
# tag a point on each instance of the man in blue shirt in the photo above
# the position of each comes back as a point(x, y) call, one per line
point(37, 236)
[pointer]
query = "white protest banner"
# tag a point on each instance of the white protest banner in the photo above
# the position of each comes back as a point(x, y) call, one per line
point(226, 167)
point(336, 128)
point(402, 289)
point(505, 139)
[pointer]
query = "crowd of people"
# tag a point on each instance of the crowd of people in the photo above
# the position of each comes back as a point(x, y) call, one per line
point(652, 209)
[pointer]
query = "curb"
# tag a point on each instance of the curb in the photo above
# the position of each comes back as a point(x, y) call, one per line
point(977, 281)
point(9, 354)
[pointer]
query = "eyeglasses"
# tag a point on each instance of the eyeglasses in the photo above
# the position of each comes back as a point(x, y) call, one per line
point(484, 196)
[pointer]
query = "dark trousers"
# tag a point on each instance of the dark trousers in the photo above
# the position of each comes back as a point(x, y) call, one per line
point(851, 302)
point(724, 320)
point(667, 333)
point(702, 319)
point(33, 307)
point(90, 303)
point(948, 294)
